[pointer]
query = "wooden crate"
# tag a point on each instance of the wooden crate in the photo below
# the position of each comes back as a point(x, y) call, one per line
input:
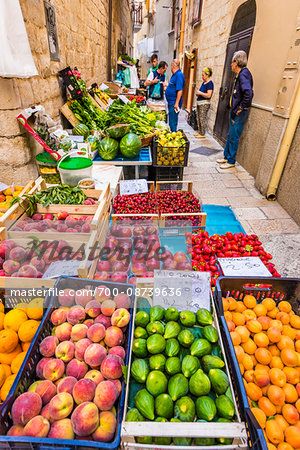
point(160, 184)
point(70, 116)
point(151, 217)
point(151, 187)
point(25, 190)
point(2, 234)
point(202, 218)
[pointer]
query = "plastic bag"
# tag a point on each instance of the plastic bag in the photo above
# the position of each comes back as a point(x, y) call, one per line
point(156, 93)
point(126, 78)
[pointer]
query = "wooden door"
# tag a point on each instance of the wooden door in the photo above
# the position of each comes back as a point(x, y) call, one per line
point(186, 72)
point(240, 41)
point(192, 84)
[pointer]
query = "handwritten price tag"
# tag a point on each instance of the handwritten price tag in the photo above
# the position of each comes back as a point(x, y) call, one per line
point(103, 87)
point(182, 289)
point(59, 268)
point(247, 266)
point(123, 98)
point(130, 187)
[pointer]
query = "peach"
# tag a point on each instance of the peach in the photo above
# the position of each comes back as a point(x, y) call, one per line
point(46, 390)
point(65, 351)
point(76, 368)
point(96, 332)
point(89, 322)
point(118, 385)
point(59, 316)
point(83, 297)
point(37, 427)
point(63, 331)
point(40, 367)
point(66, 297)
point(84, 390)
point(45, 413)
point(93, 308)
point(53, 369)
point(48, 345)
point(80, 348)
point(94, 355)
point(118, 350)
point(85, 419)
point(25, 407)
point(102, 293)
point(95, 375)
point(61, 406)
point(122, 301)
point(120, 318)
point(108, 307)
point(107, 426)
point(75, 314)
point(111, 367)
point(66, 385)
point(105, 395)
point(79, 332)
point(33, 386)
point(113, 336)
point(15, 430)
point(61, 429)
point(105, 320)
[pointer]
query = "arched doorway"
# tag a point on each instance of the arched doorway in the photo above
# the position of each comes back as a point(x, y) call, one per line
point(240, 39)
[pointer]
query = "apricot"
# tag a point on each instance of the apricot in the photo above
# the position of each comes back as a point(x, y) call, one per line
point(253, 391)
point(266, 406)
point(290, 413)
point(249, 314)
point(249, 347)
point(254, 326)
point(295, 321)
point(297, 404)
point(263, 355)
point(276, 395)
point(249, 376)
point(260, 310)
point(297, 346)
point(238, 318)
point(231, 303)
point(228, 316)
point(292, 436)
point(239, 353)
point(242, 368)
point(261, 339)
point(240, 307)
point(262, 367)
point(277, 324)
point(289, 357)
point(287, 330)
point(259, 416)
point(276, 363)
point(273, 313)
point(274, 432)
point(270, 446)
point(281, 421)
point(285, 446)
point(225, 304)
point(285, 342)
point(235, 337)
point(292, 375)
point(274, 334)
point(290, 392)
point(243, 332)
point(230, 325)
point(274, 350)
point(265, 322)
point(247, 362)
point(249, 301)
point(261, 378)
point(269, 303)
point(283, 317)
point(277, 377)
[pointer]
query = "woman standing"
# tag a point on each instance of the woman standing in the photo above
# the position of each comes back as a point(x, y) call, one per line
point(203, 101)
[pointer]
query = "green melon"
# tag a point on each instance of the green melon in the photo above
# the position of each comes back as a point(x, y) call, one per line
point(81, 130)
point(118, 131)
point(108, 148)
point(130, 145)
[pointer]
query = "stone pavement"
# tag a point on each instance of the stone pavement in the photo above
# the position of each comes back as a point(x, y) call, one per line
point(234, 187)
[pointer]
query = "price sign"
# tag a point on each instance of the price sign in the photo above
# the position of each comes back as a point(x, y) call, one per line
point(76, 138)
point(59, 268)
point(103, 87)
point(130, 187)
point(182, 289)
point(247, 266)
point(123, 98)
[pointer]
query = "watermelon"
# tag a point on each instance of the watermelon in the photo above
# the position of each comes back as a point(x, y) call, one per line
point(108, 148)
point(130, 145)
point(81, 130)
point(118, 131)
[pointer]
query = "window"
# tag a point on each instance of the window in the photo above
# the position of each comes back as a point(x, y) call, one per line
point(173, 14)
point(52, 31)
point(197, 11)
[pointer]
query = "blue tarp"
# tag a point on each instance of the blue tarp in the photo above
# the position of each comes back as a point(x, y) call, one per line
point(221, 219)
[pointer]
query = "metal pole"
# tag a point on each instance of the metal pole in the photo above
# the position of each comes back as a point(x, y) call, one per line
point(109, 40)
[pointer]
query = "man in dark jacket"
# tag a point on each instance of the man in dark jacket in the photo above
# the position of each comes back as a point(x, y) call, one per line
point(240, 102)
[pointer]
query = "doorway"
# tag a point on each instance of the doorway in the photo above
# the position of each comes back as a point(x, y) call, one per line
point(240, 39)
point(189, 72)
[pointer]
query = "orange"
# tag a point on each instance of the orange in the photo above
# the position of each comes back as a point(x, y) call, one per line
point(6, 386)
point(254, 326)
point(266, 406)
point(7, 370)
point(225, 304)
point(290, 413)
point(249, 376)
point(235, 337)
point(230, 325)
point(1, 307)
point(243, 332)
point(289, 357)
point(227, 315)
point(265, 322)
point(249, 301)
point(27, 330)
point(274, 350)
point(273, 313)
point(291, 313)
point(239, 353)
point(8, 340)
point(290, 392)
point(292, 436)
point(238, 318)
point(7, 358)
point(277, 324)
point(292, 375)
point(284, 306)
point(25, 346)
point(14, 319)
point(281, 421)
point(295, 321)
point(276, 363)
point(274, 334)
point(2, 375)
point(277, 377)
point(249, 314)
point(253, 391)
point(271, 446)
point(35, 308)
point(2, 316)
point(17, 362)
point(259, 416)
point(283, 317)
point(269, 303)
point(263, 355)
point(240, 307)
point(247, 362)
point(274, 432)
point(260, 310)
point(276, 395)
point(287, 330)
point(249, 347)
point(231, 303)
point(285, 342)
point(285, 446)
point(261, 339)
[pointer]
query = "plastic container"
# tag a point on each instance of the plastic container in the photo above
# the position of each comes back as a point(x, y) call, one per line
point(26, 375)
point(73, 170)
point(91, 184)
point(48, 168)
point(179, 155)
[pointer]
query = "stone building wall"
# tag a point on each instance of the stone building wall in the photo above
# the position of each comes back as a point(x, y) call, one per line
point(82, 27)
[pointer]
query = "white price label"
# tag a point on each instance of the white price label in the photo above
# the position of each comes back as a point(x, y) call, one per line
point(3, 186)
point(103, 87)
point(246, 266)
point(182, 289)
point(123, 98)
point(130, 187)
point(59, 268)
point(76, 138)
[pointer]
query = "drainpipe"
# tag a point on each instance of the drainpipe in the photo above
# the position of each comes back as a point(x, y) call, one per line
point(109, 40)
point(182, 27)
point(285, 146)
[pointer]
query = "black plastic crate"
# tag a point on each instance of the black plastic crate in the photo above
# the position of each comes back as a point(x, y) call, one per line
point(27, 375)
point(71, 83)
point(169, 174)
point(156, 149)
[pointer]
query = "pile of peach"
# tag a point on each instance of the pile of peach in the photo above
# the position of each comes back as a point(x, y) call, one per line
point(266, 339)
point(79, 373)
